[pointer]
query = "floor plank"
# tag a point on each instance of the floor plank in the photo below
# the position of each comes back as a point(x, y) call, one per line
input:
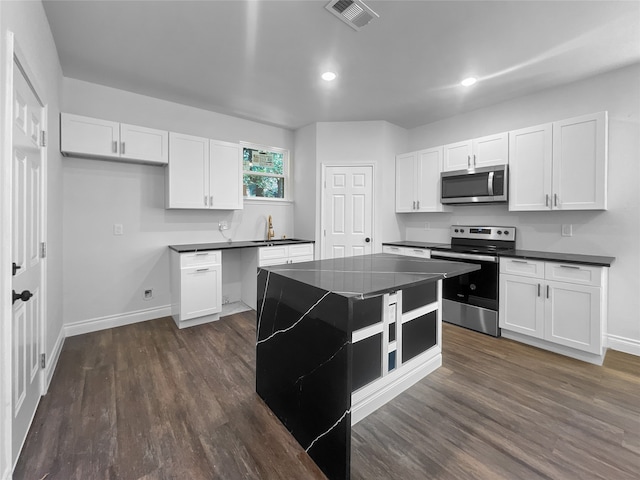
point(149, 401)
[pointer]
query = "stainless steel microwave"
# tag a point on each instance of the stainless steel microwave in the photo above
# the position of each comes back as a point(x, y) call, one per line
point(479, 185)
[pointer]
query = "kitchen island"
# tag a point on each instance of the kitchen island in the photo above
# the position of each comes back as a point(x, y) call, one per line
point(338, 338)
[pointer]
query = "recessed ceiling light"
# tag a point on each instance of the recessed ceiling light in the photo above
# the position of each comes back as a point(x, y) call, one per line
point(329, 76)
point(467, 82)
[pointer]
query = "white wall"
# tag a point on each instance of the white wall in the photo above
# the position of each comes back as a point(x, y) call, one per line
point(364, 142)
point(615, 232)
point(33, 37)
point(305, 180)
point(105, 275)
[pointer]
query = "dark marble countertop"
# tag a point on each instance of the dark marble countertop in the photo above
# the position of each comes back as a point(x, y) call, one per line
point(576, 258)
point(201, 247)
point(366, 276)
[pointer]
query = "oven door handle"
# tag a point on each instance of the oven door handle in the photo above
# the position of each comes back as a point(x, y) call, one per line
point(463, 256)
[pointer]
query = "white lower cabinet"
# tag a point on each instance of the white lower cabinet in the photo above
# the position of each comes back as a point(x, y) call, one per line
point(196, 287)
point(283, 254)
point(562, 304)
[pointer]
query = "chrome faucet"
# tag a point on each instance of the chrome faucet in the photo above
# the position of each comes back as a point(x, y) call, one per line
point(270, 233)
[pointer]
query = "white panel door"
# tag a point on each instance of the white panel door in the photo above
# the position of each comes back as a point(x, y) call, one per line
point(225, 176)
point(348, 211)
point(26, 238)
point(144, 144)
point(573, 316)
point(580, 163)
point(89, 136)
point(406, 182)
point(187, 175)
point(490, 150)
point(457, 156)
point(530, 164)
point(522, 305)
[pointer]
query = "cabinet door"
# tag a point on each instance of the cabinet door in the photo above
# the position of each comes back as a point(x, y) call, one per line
point(573, 316)
point(490, 150)
point(393, 249)
point(89, 137)
point(580, 163)
point(429, 167)
point(521, 305)
point(187, 176)
point(144, 144)
point(457, 156)
point(201, 291)
point(530, 164)
point(225, 175)
point(406, 182)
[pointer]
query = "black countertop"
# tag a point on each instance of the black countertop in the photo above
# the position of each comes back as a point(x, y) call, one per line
point(366, 276)
point(201, 247)
point(576, 258)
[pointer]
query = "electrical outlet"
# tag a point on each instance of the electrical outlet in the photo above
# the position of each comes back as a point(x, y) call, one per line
point(427, 226)
point(223, 225)
point(225, 299)
point(567, 230)
point(148, 294)
point(118, 229)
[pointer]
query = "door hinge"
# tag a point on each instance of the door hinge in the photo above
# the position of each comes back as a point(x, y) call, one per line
point(43, 249)
point(43, 138)
point(325, 232)
point(43, 360)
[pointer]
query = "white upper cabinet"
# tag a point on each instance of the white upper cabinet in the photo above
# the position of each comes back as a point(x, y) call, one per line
point(103, 139)
point(560, 165)
point(225, 175)
point(144, 144)
point(530, 152)
point(418, 181)
point(580, 163)
point(90, 137)
point(476, 153)
point(203, 174)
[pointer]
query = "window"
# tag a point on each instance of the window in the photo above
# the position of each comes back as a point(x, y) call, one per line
point(265, 171)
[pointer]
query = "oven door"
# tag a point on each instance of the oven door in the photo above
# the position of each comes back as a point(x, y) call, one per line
point(471, 300)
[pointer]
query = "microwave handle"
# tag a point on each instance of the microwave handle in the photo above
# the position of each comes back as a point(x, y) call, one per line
point(490, 184)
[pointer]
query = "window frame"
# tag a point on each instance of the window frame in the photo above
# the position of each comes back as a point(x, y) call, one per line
point(286, 166)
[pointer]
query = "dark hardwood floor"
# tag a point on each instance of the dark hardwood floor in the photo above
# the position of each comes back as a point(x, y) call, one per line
point(149, 401)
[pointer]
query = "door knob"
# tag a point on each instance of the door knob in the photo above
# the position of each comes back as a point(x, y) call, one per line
point(24, 296)
point(367, 239)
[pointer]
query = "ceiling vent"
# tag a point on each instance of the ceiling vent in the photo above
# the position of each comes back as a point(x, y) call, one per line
point(352, 12)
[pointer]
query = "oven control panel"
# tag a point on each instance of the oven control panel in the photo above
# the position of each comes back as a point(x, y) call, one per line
point(483, 233)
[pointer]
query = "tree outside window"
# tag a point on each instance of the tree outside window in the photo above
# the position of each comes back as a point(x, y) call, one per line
point(264, 172)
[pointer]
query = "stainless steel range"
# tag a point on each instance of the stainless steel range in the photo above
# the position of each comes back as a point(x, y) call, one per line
point(471, 300)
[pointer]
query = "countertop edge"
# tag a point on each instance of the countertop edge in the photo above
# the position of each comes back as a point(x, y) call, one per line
point(203, 247)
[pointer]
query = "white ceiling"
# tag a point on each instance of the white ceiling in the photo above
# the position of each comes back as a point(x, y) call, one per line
point(262, 60)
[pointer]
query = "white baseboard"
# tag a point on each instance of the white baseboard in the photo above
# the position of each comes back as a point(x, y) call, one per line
point(622, 344)
point(110, 321)
point(52, 360)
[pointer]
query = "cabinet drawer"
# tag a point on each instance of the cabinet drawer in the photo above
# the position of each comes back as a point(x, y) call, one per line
point(298, 250)
point(272, 253)
point(192, 259)
point(524, 268)
point(393, 249)
point(417, 252)
point(580, 274)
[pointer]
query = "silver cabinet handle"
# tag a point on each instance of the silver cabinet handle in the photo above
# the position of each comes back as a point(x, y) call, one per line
point(202, 270)
point(114, 147)
point(418, 205)
point(468, 161)
point(547, 291)
point(201, 254)
point(538, 289)
point(414, 205)
point(572, 267)
point(546, 200)
point(555, 199)
point(122, 148)
point(474, 160)
point(211, 200)
point(206, 199)
point(489, 183)
point(419, 251)
point(519, 261)
point(395, 248)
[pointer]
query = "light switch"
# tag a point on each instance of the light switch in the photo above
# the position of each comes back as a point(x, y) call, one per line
point(118, 229)
point(567, 230)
